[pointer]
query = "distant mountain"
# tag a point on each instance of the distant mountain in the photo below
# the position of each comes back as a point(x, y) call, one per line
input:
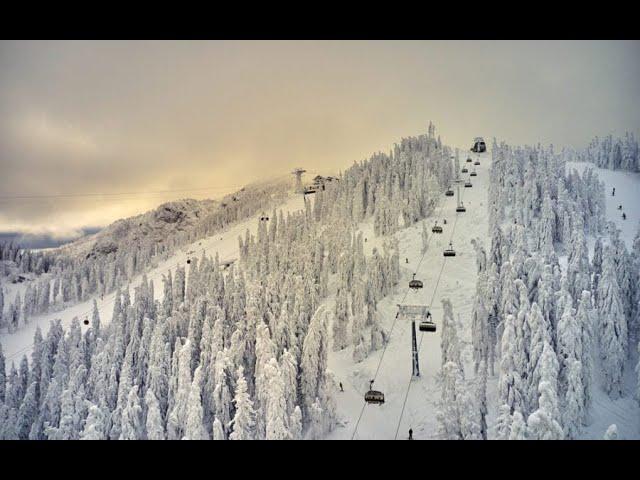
point(44, 240)
point(186, 218)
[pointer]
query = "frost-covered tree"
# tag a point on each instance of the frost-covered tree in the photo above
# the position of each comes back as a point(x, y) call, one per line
point(612, 328)
point(154, 425)
point(132, 425)
point(457, 418)
point(518, 427)
point(177, 418)
point(95, 425)
point(585, 323)
point(573, 412)
point(449, 344)
point(275, 408)
point(195, 429)
point(510, 388)
point(243, 422)
point(544, 423)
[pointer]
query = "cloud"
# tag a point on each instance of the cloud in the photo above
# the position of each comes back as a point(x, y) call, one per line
point(86, 117)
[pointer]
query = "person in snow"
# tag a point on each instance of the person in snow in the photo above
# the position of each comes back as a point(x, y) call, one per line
point(341, 389)
point(619, 207)
point(613, 192)
point(407, 260)
point(445, 221)
point(410, 434)
point(624, 216)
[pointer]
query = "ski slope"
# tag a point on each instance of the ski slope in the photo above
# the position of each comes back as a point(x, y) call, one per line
point(411, 402)
point(624, 412)
point(225, 243)
point(627, 185)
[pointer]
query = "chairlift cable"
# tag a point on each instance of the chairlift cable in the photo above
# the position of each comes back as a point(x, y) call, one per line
point(391, 330)
point(406, 396)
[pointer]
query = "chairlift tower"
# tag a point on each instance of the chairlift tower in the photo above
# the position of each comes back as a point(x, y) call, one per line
point(298, 173)
point(414, 312)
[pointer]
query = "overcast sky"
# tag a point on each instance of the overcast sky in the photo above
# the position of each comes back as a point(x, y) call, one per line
point(95, 117)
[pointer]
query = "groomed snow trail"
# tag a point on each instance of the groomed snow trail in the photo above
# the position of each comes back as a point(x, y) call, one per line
point(456, 282)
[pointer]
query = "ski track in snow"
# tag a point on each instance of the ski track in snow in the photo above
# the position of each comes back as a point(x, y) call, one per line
point(456, 283)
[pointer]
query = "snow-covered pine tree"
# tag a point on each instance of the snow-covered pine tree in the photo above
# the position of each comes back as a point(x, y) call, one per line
point(612, 328)
point(194, 428)
point(243, 423)
point(544, 423)
point(457, 419)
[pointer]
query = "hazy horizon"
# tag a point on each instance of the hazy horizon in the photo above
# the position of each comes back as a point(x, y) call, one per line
point(80, 117)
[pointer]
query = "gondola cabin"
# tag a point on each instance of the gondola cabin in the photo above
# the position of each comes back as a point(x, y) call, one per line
point(449, 192)
point(427, 326)
point(478, 145)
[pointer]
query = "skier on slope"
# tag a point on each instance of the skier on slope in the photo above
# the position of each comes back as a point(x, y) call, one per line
point(410, 434)
point(613, 192)
point(341, 389)
point(624, 216)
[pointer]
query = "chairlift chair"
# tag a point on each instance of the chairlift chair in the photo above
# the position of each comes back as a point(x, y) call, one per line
point(436, 228)
point(449, 192)
point(465, 170)
point(473, 173)
point(469, 160)
point(415, 284)
point(427, 326)
point(449, 252)
point(477, 162)
point(374, 396)
point(468, 184)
